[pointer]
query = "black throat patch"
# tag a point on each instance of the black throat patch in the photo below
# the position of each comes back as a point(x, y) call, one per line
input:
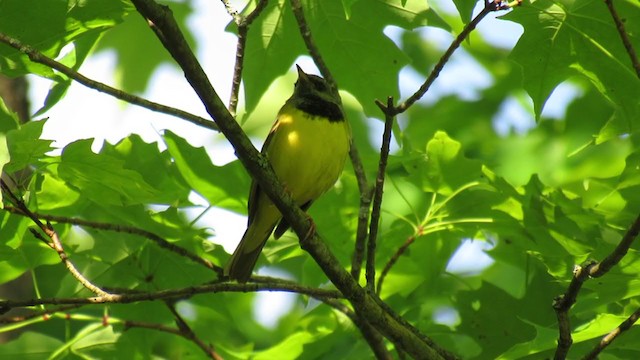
point(321, 108)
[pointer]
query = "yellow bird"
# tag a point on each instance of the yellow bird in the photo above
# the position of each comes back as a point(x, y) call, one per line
point(307, 147)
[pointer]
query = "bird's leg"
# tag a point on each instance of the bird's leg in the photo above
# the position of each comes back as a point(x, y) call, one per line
point(312, 228)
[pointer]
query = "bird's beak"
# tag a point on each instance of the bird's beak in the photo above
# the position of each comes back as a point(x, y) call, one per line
point(302, 75)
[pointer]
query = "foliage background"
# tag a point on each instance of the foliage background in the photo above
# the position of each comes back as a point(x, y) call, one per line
point(542, 198)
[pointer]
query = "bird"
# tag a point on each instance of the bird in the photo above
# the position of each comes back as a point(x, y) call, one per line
point(307, 147)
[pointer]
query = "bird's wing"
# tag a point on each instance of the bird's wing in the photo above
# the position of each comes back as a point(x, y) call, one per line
point(254, 193)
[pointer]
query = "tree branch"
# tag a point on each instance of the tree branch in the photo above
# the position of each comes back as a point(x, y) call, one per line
point(298, 13)
point(625, 38)
point(377, 195)
point(618, 253)
point(366, 193)
point(392, 261)
point(489, 6)
point(187, 333)
point(37, 57)
point(369, 333)
point(610, 337)
point(161, 242)
point(183, 293)
point(592, 269)
point(243, 23)
point(54, 242)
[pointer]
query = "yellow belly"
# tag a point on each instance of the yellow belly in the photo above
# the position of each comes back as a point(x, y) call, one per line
point(308, 153)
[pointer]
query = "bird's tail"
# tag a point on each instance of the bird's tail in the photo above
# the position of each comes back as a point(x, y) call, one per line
point(246, 255)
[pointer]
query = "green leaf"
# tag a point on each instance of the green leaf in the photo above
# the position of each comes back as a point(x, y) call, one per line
point(8, 118)
point(73, 59)
point(103, 178)
point(273, 43)
point(132, 38)
point(30, 346)
point(48, 25)
point(223, 186)
point(25, 145)
point(156, 168)
point(562, 39)
point(443, 168)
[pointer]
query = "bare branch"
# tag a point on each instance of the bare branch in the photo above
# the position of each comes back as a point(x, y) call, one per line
point(392, 261)
point(243, 23)
point(610, 337)
point(187, 333)
point(618, 253)
point(624, 36)
point(377, 195)
point(54, 243)
point(370, 334)
point(43, 314)
point(489, 6)
point(563, 303)
point(592, 269)
point(298, 13)
point(183, 293)
point(37, 57)
point(366, 194)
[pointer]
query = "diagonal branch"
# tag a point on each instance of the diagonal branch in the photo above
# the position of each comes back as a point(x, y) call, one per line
point(489, 6)
point(37, 57)
point(592, 269)
point(314, 51)
point(624, 36)
point(610, 337)
point(186, 332)
point(53, 243)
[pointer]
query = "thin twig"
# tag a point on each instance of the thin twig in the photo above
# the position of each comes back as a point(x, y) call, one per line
point(377, 195)
point(361, 232)
point(562, 304)
point(231, 10)
point(54, 242)
point(392, 261)
point(43, 314)
point(489, 6)
point(187, 333)
point(298, 13)
point(37, 57)
point(618, 253)
point(610, 337)
point(624, 36)
point(124, 229)
point(243, 23)
point(182, 293)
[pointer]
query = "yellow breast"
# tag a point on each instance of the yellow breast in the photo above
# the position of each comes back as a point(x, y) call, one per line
point(308, 153)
